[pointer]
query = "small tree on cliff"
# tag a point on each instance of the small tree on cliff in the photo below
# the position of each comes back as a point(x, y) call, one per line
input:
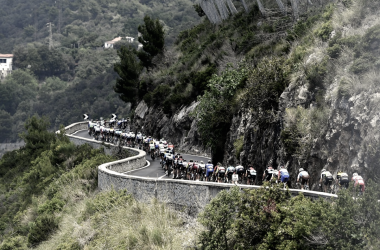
point(128, 69)
point(132, 62)
point(152, 39)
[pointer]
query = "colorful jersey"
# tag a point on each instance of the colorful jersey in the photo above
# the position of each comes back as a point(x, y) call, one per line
point(209, 166)
point(283, 172)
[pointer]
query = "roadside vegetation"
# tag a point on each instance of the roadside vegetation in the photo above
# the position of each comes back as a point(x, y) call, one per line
point(269, 218)
point(49, 200)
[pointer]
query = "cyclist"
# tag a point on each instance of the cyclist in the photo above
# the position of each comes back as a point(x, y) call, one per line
point(201, 170)
point(152, 149)
point(268, 173)
point(250, 175)
point(358, 180)
point(219, 172)
point(168, 163)
point(303, 176)
point(240, 172)
point(209, 170)
point(171, 147)
point(283, 175)
point(327, 179)
point(189, 169)
point(342, 179)
point(195, 170)
point(97, 132)
point(230, 171)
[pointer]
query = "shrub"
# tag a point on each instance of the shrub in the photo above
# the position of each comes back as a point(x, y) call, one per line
point(105, 201)
point(41, 229)
point(69, 244)
point(347, 3)
point(289, 138)
point(350, 41)
point(14, 243)
point(362, 64)
point(316, 73)
point(160, 93)
point(344, 88)
point(238, 144)
point(51, 206)
point(148, 98)
point(371, 40)
point(324, 31)
point(334, 51)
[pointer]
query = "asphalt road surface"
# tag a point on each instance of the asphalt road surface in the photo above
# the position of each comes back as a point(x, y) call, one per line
point(154, 170)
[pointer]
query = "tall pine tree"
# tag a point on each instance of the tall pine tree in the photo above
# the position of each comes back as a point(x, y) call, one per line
point(152, 39)
point(128, 69)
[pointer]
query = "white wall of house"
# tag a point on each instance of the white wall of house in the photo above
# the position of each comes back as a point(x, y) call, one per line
point(109, 44)
point(5, 65)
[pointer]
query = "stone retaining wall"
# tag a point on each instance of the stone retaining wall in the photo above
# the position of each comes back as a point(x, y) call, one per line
point(189, 196)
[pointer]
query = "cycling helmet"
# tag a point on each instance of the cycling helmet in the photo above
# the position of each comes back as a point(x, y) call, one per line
point(201, 162)
point(209, 161)
point(300, 170)
point(323, 170)
point(355, 174)
point(281, 167)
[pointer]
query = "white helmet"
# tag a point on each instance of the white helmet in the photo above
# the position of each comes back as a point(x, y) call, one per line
point(323, 170)
point(355, 174)
point(300, 170)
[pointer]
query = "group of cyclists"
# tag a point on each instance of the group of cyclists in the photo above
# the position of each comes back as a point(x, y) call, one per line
point(114, 131)
point(181, 168)
point(328, 183)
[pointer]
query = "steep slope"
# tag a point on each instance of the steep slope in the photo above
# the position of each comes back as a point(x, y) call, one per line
point(305, 94)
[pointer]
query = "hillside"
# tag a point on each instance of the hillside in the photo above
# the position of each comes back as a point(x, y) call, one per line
point(298, 94)
point(86, 23)
point(76, 75)
point(49, 200)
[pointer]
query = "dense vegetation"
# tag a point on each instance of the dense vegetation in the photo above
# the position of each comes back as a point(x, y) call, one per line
point(76, 76)
point(86, 23)
point(49, 200)
point(270, 218)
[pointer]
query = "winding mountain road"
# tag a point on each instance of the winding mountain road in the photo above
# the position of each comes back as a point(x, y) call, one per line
point(154, 170)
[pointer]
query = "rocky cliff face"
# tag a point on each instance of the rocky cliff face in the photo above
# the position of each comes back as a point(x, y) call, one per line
point(332, 122)
point(180, 129)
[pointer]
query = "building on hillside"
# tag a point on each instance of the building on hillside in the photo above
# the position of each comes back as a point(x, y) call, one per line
point(109, 44)
point(5, 65)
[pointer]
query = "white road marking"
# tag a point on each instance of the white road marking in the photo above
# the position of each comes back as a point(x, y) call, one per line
point(162, 176)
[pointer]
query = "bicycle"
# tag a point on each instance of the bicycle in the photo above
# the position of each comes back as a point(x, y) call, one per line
point(305, 187)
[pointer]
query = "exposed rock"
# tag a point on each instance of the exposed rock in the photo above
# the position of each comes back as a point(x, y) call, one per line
point(180, 129)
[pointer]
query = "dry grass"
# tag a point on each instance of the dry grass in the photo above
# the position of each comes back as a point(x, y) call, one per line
point(127, 226)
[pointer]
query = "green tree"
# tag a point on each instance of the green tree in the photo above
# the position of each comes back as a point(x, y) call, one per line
point(129, 70)
point(216, 108)
point(37, 137)
point(5, 125)
point(29, 31)
point(153, 40)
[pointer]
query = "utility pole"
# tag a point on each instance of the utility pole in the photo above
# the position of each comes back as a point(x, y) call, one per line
point(50, 35)
point(59, 16)
point(35, 24)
